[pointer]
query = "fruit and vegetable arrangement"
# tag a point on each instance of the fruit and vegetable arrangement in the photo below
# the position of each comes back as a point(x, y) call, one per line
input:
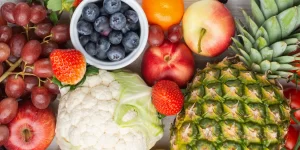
point(238, 103)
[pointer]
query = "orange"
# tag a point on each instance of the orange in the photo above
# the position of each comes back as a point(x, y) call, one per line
point(163, 12)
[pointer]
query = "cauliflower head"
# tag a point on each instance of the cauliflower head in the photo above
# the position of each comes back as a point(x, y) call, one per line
point(111, 110)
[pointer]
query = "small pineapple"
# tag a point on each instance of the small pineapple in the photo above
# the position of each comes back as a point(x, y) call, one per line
point(238, 103)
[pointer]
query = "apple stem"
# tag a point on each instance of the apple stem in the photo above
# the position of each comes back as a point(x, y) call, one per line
point(27, 135)
point(167, 58)
point(202, 33)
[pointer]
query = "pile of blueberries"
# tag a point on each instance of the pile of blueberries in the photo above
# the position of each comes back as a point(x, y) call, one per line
point(109, 30)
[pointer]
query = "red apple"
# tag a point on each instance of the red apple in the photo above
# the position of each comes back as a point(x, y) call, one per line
point(32, 128)
point(208, 27)
point(170, 61)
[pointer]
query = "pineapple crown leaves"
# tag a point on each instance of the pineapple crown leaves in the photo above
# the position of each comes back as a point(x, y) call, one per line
point(266, 41)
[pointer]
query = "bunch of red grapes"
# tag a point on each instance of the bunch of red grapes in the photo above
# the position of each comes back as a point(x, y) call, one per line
point(27, 37)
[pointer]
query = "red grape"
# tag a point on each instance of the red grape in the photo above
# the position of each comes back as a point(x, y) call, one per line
point(30, 83)
point(4, 52)
point(2, 20)
point(28, 69)
point(1, 69)
point(7, 10)
point(43, 29)
point(17, 30)
point(8, 110)
point(156, 35)
point(175, 33)
point(40, 97)
point(16, 44)
point(15, 86)
point(52, 87)
point(12, 59)
point(60, 33)
point(31, 51)
point(22, 14)
point(4, 134)
point(38, 14)
point(42, 68)
point(5, 33)
point(47, 48)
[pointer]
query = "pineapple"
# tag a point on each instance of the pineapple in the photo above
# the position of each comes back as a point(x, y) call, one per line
point(237, 104)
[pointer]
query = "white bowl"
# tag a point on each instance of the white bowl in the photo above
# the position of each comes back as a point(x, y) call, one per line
point(106, 64)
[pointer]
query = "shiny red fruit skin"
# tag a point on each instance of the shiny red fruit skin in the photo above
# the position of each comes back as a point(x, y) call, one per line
point(42, 68)
point(167, 97)
point(39, 122)
point(291, 137)
point(15, 86)
point(170, 61)
point(294, 95)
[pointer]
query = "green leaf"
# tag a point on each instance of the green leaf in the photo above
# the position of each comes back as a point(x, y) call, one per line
point(269, 8)
point(53, 17)
point(91, 70)
point(54, 5)
point(67, 4)
point(29, 1)
point(257, 14)
point(267, 53)
point(247, 43)
point(57, 82)
point(261, 43)
point(255, 56)
point(278, 48)
point(160, 116)
point(73, 87)
point(284, 4)
point(273, 29)
point(287, 20)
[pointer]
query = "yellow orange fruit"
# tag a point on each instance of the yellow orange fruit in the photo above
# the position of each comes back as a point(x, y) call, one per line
point(163, 12)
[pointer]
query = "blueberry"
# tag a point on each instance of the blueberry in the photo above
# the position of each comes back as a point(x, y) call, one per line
point(125, 29)
point(90, 12)
point(94, 36)
point(117, 21)
point(84, 39)
point(84, 28)
point(116, 53)
point(131, 16)
point(101, 55)
point(112, 6)
point(101, 23)
point(131, 40)
point(134, 26)
point(124, 7)
point(115, 37)
point(90, 48)
point(102, 44)
point(103, 12)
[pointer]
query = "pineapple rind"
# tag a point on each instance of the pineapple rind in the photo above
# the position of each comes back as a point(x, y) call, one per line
point(240, 109)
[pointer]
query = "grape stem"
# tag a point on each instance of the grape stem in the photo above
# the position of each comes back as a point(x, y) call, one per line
point(12, 68)
point(46, 39)
point(8, 62)
point(27, 31)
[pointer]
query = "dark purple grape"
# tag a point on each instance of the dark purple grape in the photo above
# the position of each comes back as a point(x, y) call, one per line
point(48, 47)
point(60, 33)
point(1, 69)
point(31, 51)
point(4, 52)
point(17, 43)
point(43, 29)
point(7, 10)
point(42, 68)
point(5, 33)
point(14, 86)
point(175, 33)
point(22, 13)
point(38, 14)
point(40, 97)
point(8, 110)
point(156, 35)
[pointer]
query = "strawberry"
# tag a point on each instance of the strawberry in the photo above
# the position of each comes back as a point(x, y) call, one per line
point(76, 2)
point(68, 65)
point(167, 97)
